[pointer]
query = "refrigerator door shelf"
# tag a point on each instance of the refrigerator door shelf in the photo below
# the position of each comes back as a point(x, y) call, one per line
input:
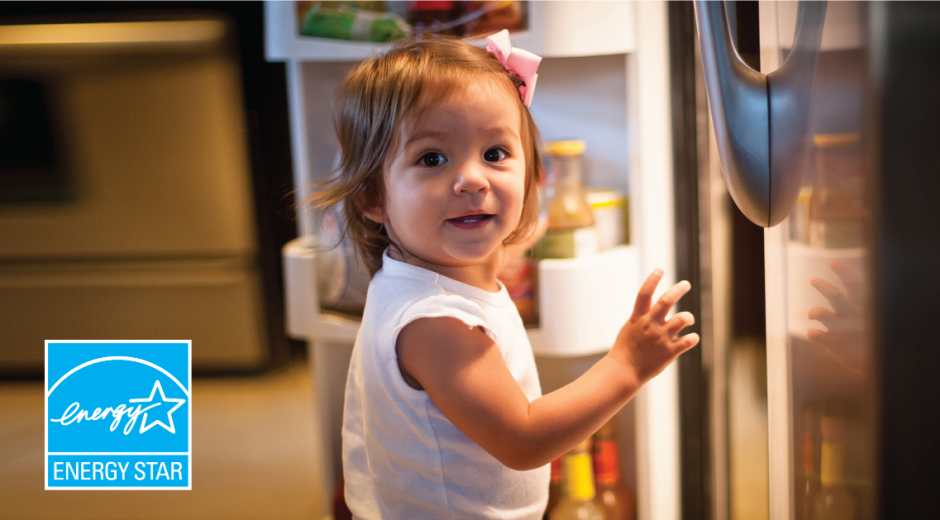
point(583, 302)
point(304, 319)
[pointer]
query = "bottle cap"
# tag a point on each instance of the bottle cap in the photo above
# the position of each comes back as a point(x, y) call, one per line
point(572, 148)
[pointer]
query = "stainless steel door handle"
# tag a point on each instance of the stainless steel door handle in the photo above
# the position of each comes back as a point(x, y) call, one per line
point(760, 120)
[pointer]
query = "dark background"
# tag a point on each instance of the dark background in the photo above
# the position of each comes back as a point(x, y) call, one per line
point(265, 111)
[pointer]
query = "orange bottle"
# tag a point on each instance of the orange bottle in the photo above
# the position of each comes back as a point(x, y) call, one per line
point(616, 498)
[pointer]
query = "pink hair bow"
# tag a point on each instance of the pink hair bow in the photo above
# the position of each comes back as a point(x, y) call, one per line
point(517, 61)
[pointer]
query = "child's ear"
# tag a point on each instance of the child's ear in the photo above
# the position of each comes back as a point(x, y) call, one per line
point(375, 214)
point(372, 210)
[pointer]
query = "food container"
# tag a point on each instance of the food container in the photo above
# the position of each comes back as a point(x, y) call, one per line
point(611, 212)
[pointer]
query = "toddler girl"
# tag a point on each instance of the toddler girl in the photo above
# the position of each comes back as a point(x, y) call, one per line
point(444, 416)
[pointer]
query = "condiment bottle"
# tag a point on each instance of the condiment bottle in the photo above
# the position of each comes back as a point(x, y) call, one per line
point(577, 502)
point(614, 496)
point(571, 230)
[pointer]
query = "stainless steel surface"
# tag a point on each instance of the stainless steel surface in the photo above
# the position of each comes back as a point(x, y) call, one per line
point(760, 120)
point(819, 285)
point(152, 232)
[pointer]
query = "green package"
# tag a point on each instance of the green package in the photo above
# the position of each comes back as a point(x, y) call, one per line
point(348, 23)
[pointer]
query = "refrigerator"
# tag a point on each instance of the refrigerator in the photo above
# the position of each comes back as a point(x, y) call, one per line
point(823, 131)
point(817, 120)
point(603, 79)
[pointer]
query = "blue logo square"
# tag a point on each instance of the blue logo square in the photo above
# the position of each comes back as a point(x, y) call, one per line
point(118, 414)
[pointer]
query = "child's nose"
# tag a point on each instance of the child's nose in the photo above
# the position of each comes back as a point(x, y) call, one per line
point(471, 180)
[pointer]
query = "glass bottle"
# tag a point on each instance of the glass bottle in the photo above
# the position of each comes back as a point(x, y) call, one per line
point(577, 503)
point(833, 502)
point(614, 496)
point(571, 230)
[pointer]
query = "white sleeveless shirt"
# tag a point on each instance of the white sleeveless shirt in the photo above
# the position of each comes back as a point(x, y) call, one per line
point(402, 459)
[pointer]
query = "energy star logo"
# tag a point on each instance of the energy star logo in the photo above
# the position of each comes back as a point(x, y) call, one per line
point(118, 415)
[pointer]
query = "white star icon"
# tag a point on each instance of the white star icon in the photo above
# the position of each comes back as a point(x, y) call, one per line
point(179, 402)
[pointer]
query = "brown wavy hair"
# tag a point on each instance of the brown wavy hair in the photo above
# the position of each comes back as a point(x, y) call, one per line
point(373, 101)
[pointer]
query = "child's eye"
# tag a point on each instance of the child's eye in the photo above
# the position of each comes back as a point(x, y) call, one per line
point(432, 159)
point(494, 155)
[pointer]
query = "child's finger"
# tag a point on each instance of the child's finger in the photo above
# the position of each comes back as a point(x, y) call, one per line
point(645, 295)
point(668, 299)
point(679, 322)
point(686, 342)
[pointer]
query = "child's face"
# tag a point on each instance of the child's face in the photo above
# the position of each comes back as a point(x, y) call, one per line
point(455, 189)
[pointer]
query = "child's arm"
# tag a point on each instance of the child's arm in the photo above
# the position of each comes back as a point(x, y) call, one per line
point(463, 372)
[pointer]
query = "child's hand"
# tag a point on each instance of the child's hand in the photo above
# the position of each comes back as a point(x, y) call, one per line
point(647, 343)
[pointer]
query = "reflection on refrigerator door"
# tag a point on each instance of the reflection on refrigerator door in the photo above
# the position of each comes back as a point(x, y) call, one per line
point(827, 282)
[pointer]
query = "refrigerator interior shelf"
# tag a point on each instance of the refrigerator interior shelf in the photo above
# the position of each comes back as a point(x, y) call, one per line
point(557, 30)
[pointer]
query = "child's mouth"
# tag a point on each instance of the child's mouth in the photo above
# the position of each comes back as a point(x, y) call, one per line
point(470, 221)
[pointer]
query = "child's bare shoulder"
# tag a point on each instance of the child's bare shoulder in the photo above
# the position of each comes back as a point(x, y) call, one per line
point(437, 346)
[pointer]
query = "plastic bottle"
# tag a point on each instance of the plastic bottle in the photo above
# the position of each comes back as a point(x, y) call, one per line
point(577, 502)
point(571, 230)
point(614, 496)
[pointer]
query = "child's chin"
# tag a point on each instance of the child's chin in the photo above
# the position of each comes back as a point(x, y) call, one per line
point(474, 254)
